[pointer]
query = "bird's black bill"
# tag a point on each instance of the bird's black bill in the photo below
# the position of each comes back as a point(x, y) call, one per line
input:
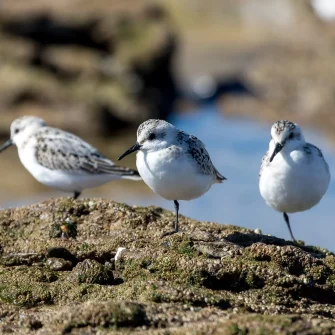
point(276, 150)
point(130, 150)
point(6, 145)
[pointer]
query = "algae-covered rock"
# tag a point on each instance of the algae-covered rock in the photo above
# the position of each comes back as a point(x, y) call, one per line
point(20, 258)
point(106, 315)
point(91, 272)
point(207, 279)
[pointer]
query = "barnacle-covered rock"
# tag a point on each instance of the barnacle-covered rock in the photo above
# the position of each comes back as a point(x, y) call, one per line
point(209, 278)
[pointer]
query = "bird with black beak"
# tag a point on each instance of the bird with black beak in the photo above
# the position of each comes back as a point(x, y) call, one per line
point(294, 175)
point(172, 163)
point(60, 159)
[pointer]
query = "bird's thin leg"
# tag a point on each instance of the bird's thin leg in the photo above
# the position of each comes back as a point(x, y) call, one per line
point(176, 207)
point(287, 220)
point(76, 195)
point(176, 226)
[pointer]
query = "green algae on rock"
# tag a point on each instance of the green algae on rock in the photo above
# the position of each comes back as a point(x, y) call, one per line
point(91, 272)
point(210, 278)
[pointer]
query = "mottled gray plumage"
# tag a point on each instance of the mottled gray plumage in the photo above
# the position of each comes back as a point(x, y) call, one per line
point(196, 149)
point(309, 147)
point(294, 176)
point(279, 126)
point(149, 124)
point(60, 150)
point(173, 164)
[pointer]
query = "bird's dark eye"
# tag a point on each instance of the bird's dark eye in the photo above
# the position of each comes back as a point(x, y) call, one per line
point(291, 136)
point(16, 130)
point(152, 136)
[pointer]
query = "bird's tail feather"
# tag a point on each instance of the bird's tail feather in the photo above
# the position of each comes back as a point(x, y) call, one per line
point(219, 177)
point(132, 175)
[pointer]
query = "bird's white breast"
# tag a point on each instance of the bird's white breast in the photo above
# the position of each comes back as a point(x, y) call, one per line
point(295, 181)
point(172, 174)
point(27, 155)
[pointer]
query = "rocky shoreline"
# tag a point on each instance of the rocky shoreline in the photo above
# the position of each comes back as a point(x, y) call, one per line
point(63, 271)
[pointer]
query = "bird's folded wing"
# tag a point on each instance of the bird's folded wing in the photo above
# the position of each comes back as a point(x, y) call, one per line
point(60, 150)
point(197, 150)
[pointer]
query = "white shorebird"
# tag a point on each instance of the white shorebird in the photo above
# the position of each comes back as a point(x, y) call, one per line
point(60, 159)
point(294, 176)
point(174, 164)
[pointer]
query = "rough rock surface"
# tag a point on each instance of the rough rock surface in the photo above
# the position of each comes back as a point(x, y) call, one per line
point(208, 279)
point(106, 65)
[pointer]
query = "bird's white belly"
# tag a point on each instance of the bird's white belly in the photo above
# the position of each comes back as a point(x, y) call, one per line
point(173, 178)
point(69, 181)
point(295, 186)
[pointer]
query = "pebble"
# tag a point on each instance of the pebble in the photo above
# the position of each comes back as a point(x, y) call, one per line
point(59, 264)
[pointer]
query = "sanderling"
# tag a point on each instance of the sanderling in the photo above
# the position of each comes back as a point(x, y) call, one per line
point(172, 163)
point(60, 159)
point(294, 176)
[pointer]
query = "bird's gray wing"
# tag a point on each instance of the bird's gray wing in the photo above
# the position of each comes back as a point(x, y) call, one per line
point(60, 150)
point(309, 149)
point(196, 149)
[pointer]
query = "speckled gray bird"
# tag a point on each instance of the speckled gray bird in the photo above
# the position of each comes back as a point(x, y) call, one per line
point(60, 159)
point(174, 164)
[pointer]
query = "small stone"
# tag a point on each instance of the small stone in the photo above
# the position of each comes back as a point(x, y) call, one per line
point(200, 235)
point(220, 249)
point(59, 264)
point(258, 231)
point(91, 272)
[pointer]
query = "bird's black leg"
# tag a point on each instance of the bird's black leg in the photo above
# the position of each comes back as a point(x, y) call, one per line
point(176, 207)
point(176, 225)
point(287, 220)
point(76, 195)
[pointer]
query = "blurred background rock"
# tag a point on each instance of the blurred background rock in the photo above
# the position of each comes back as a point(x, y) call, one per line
point(99, 68)
point(111, 64)
point(87, 66)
